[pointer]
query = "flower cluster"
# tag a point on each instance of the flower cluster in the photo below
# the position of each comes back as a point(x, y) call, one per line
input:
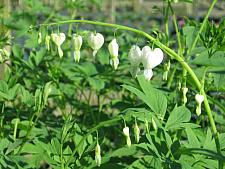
point(150, 58)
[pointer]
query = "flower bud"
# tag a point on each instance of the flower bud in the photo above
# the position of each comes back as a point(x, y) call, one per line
point(185, 90)
point(127, 135)
point(146, 125)
point(95, 41)
point(47, 42)
point(199, 99)
point(113, 50)
point(76, 43)
point(39, 38)
point(136, 132)
point(154, 125)
point(98, 157)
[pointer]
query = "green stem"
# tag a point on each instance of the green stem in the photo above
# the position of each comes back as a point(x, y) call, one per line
point(169, 51)
point(2, 120)
point(202, 27)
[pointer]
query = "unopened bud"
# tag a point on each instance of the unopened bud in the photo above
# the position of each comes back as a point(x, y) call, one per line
point(127, 135)
point(98, 157)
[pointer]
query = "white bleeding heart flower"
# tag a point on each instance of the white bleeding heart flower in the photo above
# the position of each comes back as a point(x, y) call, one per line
point(127, 135)
point(76, 44)
point(134, 55)
point(185, 90)
point(47, 42)
point(98, 157)
point(113, 48)
point(199, 99)
point(58, 39)
point(151, 59)
point(135, 58)
point(95, 41)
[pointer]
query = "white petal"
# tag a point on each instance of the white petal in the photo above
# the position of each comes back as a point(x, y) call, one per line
point(96, 41)
point(135, 55)
point(148, 73)
point(62, 38)
point(113, 48)
point(77, 41)
point(153, 58)
point(199, 98)
point(144, 54)
point(126, 131)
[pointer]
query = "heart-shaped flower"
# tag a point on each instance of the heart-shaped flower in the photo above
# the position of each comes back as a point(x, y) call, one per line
point(199, 98)
point(58, 39)
point(134, 55)
point(76, 45)
point(150, 58)
point(95, 41)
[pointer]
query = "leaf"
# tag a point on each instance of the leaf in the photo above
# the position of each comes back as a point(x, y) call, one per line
point(189, 33)
point(155, 97)
point(178, 116)
point(192, 139)
point(207, 153)
point(96, 83)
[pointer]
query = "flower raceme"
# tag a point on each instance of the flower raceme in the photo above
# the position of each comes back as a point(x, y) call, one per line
point(95, 41)
point(148, 57)
point(58, 39)
point(76, 44)
point(113, 48)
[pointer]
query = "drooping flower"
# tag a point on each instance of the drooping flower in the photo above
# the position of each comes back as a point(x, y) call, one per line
point(76, 43)
point(4, 55)
point(98, 157)
point(166, 68)
point(39, 38)
point(47, 42)
point(151, 59)
point(184, 90)
point(199, 99)
point(58, 39)
point(154, 125)
point(136, 132)
point(113, 48)
point(95, 41)
point(127, 135)
point(134, 57)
